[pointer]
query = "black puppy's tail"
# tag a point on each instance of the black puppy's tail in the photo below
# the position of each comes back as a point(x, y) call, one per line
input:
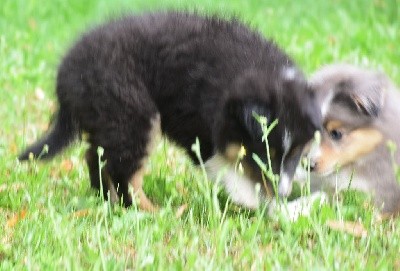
point(63, 132)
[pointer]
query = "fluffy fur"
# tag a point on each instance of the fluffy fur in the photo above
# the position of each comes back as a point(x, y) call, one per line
point(361, 114)
point(188, 76)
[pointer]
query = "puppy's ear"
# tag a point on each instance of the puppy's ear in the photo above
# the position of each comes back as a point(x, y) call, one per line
point(243, 113)
point(364, 95)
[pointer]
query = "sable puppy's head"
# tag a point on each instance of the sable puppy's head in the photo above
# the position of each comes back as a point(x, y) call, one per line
point(284, 96)
point(351, 100)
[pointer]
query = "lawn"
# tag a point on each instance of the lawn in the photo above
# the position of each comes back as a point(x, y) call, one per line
point(51, 219)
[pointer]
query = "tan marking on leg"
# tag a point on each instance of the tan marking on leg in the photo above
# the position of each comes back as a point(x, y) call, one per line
point(137, 179)
point(137, 184)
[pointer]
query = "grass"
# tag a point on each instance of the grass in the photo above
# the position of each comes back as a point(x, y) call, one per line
point(51, 219)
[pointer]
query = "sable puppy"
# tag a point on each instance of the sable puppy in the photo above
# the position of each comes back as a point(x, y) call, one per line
point(187, 76)
point(361, 113)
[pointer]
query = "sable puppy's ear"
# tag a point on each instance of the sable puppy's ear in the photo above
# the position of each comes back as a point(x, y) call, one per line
point(243, 113)
point(365, 95)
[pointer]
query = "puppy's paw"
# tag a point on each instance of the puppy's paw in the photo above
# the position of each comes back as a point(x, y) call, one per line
point(299, 207)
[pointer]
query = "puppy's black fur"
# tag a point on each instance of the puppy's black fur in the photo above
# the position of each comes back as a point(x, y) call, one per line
point(202, 76)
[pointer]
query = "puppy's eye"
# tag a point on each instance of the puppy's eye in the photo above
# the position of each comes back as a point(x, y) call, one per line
point(335, 134)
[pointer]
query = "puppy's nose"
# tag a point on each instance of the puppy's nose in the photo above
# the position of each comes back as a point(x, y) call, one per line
point(313, 165)
point(308, 163)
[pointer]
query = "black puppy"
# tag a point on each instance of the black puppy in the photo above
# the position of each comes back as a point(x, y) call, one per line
point(185, 75)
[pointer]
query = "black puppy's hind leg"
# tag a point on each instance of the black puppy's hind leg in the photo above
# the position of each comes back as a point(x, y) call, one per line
point(126, 163)
point(103, 182)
